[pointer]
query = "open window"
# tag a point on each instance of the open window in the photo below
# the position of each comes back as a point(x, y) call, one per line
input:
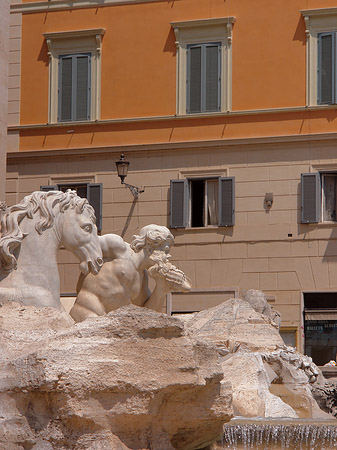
point(319, 197)
point(202, 202)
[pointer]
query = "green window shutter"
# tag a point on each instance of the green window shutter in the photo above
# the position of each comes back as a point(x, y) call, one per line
point(203, 77)
point(82, 98)
point(326, 68)
point(74, 92)
point(178, 203)
point(50, 187)
point(95, 200)
point(65, 88)
point(226, 202)
point(194, 79)
point(212, 85)
point(310, 197)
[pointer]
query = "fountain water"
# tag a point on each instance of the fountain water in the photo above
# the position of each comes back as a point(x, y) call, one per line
point(257, 434)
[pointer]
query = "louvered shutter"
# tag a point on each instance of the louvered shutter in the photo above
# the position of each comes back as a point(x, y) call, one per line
point(226, 202)
point(82, 87)
point(194, 79)
point(212, 82)
point(326, 68)
point(51, 187)
point(310, 197)
point(65, 88)
point(95, 200)
point(178, 203)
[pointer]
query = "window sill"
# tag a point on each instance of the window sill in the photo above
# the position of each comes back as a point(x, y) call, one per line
point(323, 224)
point(72, 122)
point(208, 228)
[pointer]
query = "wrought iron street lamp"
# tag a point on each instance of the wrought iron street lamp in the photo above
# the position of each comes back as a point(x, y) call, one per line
point(122, 169)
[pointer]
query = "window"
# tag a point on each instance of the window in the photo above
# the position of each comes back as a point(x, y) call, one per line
point(321, 32)
point(202, 202)
point(320, 326)
point(91, 191)
point(319, 197)
point(203, 77)
point(74, 87)
point(204, 65)
point(74, 75)
point(326, 71)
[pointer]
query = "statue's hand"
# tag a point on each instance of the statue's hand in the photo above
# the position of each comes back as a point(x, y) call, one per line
point(173, 278)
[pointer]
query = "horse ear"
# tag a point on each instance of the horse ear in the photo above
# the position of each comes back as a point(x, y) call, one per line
point(50, 187)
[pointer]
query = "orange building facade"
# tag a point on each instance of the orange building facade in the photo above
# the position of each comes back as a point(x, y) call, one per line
point(226, 111)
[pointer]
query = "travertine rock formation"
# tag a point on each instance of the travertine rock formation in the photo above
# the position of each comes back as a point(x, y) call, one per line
point(136, 379)
point(235, 321)
point(325, 393)
point(251, 387)
point(131, 379)
point(258, 300)
point(268, 379)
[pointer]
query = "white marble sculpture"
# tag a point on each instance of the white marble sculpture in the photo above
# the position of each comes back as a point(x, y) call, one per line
point(123, 278)
point(31, 233)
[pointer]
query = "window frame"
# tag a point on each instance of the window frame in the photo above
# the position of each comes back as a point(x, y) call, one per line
point(186, 202)
point(74, 43)
point(205, 202)
point(316, 204)
point(204, 31)
point(317, 22)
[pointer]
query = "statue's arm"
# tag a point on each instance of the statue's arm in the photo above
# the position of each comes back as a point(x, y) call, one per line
point(157, 299)
point(113, 246)
point(168, 279)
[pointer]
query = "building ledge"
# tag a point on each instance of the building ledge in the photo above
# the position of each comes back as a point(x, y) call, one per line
point(94, 151)
point(57, 5)
point(179, 117)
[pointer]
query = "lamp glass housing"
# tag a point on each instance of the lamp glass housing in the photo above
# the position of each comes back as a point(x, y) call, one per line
point(122, 168)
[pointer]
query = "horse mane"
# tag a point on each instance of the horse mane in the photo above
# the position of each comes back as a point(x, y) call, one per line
point(42, 202)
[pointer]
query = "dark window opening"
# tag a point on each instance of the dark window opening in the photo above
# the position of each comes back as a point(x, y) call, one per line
point(197, 203)
point(80, 189)
point(321, 300)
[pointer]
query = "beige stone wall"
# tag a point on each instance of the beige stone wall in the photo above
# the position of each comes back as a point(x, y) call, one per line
point(267, 249)
point(4, 43)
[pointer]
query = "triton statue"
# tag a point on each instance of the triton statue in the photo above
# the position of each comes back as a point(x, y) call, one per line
point(123, 278)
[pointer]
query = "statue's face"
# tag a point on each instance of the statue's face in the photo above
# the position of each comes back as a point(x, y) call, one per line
point(160, 253)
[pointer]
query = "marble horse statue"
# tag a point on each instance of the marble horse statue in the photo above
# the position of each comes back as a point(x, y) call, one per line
point(31, 233)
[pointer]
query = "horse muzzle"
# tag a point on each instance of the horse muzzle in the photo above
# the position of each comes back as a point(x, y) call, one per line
point(93, 266)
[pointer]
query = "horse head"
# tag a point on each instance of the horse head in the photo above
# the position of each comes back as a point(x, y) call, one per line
point(70, 217)
point(79, 235)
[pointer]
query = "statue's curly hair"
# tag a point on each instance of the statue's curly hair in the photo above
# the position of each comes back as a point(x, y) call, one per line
point(42, 202)
point(152, 236)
